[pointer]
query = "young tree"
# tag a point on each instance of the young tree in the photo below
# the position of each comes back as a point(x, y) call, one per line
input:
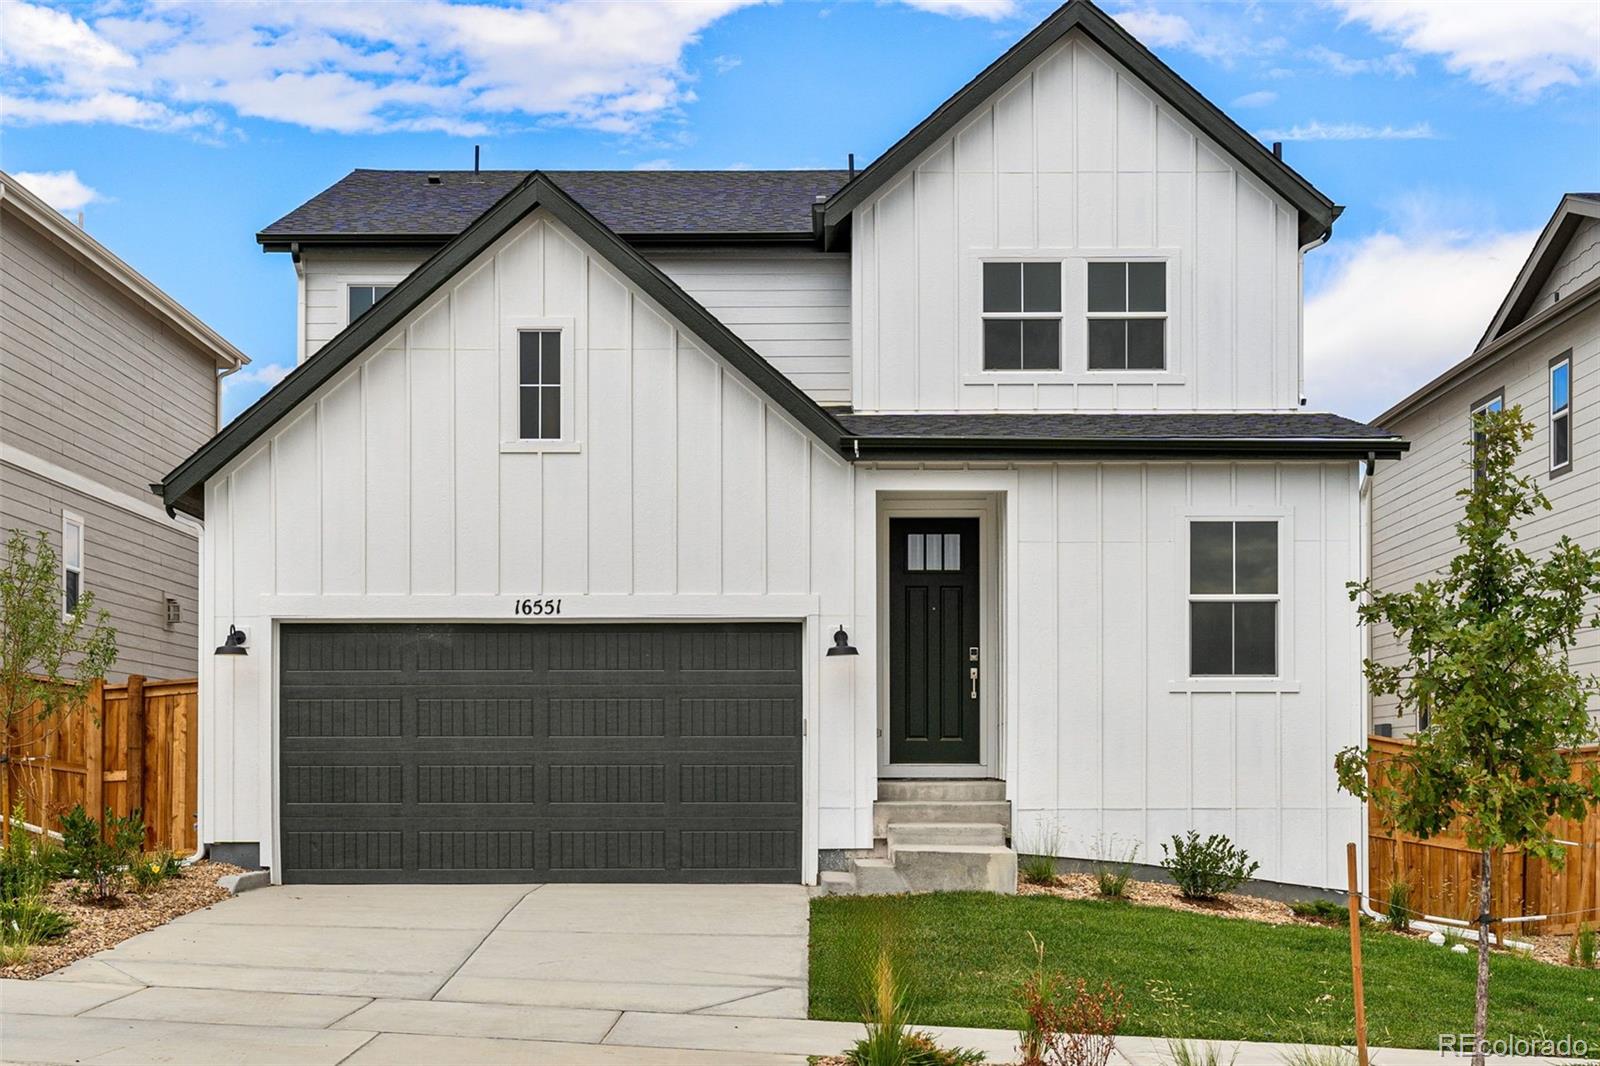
point(1486, 654)
point(48, 659)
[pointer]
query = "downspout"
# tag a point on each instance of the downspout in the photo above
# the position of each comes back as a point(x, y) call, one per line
point(1300, 287)
point(200, 651)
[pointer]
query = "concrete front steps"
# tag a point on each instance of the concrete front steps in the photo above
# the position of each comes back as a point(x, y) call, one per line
point(933, 835)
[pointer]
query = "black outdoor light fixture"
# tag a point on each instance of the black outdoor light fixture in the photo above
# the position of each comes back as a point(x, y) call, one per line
point(234, 645)
point(841, 644)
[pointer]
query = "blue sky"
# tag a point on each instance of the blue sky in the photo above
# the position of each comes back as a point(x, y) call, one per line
point(1449, 129)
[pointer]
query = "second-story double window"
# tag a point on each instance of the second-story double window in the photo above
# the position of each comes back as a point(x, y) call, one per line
point(1022, 316)
point(1128, 316)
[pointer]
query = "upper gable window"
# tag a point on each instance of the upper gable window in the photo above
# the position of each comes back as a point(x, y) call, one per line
point(362, 297)
point(539, 384)
point(1561, 413)
point(1127, 310)
point(1022, 316)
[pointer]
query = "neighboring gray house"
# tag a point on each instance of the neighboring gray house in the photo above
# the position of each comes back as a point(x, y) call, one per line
point(105, 383)
point(1542, 352)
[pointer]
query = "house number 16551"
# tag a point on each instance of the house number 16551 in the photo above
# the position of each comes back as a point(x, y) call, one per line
point(538, 607)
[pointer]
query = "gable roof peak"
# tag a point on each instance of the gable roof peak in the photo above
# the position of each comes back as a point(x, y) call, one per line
point(1317, 212)
point(1517, 307)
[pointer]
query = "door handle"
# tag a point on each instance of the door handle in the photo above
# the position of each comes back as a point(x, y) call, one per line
point(973, 674)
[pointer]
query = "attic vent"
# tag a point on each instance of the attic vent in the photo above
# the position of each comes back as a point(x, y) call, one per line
point(434, 179)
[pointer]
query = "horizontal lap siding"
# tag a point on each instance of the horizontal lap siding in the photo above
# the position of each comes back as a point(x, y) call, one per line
point(327, 276)
point(1414, 503)
point(794, 309)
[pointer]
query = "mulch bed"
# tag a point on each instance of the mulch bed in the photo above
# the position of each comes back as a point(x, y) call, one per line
point(96, 928)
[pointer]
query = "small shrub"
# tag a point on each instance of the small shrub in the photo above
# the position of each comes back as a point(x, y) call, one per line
point(1037, 861)
point(1582, 949)
point(1204, 869)
point(99, 861)
point(1400, 905)
point(889, 1040)
point(35, 917)
point(1113, 866)
point(1198, 1053)
point(1321, 910)
point(1069, 1023)
point(26, 918)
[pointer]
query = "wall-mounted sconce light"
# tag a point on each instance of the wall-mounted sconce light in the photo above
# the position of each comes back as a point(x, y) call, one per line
point(841, 644)
point(234, 645)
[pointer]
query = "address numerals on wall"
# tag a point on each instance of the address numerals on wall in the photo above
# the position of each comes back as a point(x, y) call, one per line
point(535, 608)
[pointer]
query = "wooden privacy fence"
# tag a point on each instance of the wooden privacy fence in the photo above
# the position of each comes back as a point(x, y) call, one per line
point(1443, 871)
point(131, 745)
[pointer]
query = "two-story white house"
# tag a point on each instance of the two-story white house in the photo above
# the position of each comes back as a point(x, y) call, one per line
point(793, 525)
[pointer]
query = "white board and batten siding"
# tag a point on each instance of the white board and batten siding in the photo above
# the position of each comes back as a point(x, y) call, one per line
point(793, 307)
point(1076, 159)
point(684, 493)
point(1111, 741)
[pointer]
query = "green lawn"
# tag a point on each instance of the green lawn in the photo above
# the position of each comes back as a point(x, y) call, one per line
point(964, 954)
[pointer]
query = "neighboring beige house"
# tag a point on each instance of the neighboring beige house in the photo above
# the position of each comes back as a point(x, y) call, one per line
point(105, 383)
point(1542, 352)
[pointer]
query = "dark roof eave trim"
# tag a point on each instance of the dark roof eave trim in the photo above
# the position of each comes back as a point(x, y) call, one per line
point(285, 243)
point(534, 192)
point(1317, 212)
point(1156, 448)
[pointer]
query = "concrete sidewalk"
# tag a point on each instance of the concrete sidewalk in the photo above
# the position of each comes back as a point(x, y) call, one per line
point(569, 974)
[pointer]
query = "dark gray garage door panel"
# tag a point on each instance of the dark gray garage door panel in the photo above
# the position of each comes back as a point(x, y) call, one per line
point(540, 752)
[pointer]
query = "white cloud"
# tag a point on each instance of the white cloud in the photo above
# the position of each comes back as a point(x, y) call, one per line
point(61, 189)
point(353, 67)
point(993, 10)
point(1260, 98)
point(1519, 49)
point(1394, 64)
point(244, 387)
point(656, 164)
point(1349, 131)
point(1227, 40)
point(1394, 312)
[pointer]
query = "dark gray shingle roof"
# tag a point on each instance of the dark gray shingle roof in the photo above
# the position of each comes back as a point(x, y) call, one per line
point(1114, 427)
point(402, 203)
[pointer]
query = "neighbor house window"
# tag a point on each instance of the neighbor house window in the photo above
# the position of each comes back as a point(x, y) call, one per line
point(1022, 316)
point(71, 562)
point(1233, 599)
point(1561, 414)
point(362, 297)
point(539, 384)
point(1497, 402)
point(1128, 316)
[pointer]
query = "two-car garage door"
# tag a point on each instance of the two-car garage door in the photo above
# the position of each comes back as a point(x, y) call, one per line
point(556, 752)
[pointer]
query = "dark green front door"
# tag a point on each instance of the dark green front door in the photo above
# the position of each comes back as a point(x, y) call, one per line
point(933, 640)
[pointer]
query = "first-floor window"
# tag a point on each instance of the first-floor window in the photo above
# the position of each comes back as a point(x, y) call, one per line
point(362, 297)
point(71, 562)
point(1561, 414)
point(539, 384)
point(1233, 598)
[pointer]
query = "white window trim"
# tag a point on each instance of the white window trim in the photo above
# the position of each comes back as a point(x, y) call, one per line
point(1563, 360)
point(1286, 679)
point(1074, 306)
point(68, 520)
point(511, 439)
point(388, 283)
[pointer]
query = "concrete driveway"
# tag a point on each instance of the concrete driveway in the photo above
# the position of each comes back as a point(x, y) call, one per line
point(431, 973)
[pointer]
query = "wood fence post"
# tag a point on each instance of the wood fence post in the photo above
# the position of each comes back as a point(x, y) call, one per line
point(135, 719)
point(1355, 956)
point(94, 751)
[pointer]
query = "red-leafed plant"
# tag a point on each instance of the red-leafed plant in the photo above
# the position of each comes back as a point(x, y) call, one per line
point(1069, 1023)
